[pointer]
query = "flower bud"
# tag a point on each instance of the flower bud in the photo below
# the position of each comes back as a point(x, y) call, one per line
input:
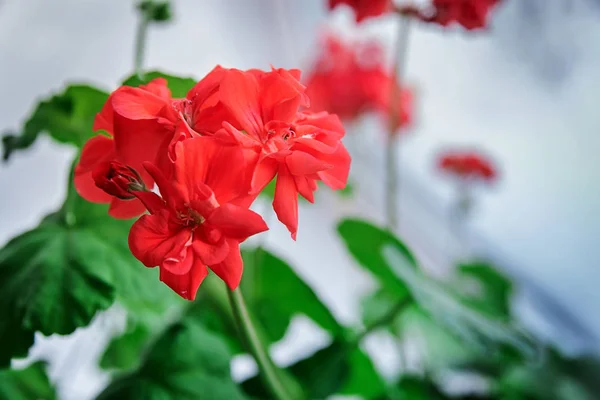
point(117, 179)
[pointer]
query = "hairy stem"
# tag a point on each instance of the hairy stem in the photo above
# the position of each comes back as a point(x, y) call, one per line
point(249, 334)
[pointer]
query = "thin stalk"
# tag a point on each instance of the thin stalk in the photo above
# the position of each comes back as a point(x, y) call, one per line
point(140, 44)
point(255, 345)
point(394, 120)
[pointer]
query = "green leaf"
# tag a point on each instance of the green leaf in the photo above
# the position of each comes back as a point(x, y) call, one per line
point(56, 277)
point(124, 351)
point(26, 384)
point(272, 306)
point(479, 331)
point(186, 362)
point(393, 265)
point(179, 86)
point(275, 305)
point(340, 368)
point(416, 388)
point(67, 117)
point(365, 242)
point(483, 287)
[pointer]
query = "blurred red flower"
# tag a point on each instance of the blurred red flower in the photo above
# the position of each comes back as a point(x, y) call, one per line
point(365, 8)
point(467, 165)
point(471, 14)
point(350, 79)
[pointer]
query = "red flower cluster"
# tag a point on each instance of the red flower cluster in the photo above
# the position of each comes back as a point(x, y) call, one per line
point(471, 14)
point(210, 155)
point(350, 79)
point(467, 166)
point(365, 8)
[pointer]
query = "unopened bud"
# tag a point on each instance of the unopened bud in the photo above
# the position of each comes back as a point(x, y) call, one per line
point(118, 180)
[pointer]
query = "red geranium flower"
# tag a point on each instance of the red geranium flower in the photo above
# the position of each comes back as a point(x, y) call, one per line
point(196, 222)
point(365, 8)
point(471, 14)
point(468, 166)
point(137, 122)
point(349, 79)
point(300, 148)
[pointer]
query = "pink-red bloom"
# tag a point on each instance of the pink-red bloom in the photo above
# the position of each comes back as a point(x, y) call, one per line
point(299, 148)
point(467, 166)
point(350, 79)
point(210, 154)
point(365, 8)
point(471, 14)
point(138, 123)
point(196, 223)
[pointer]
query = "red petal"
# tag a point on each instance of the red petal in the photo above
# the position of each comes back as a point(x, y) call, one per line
point(301, 164)
point(152, 239)
point(97, 150)
point(210, 253)
point(180, 261)
point(239, 93)
point(137, 141)
point(232, 267)
point(185, 285)
point(281, 94)
point(306, 187)
point(137, 103)
point(125, 209)
point(337, 177)
point(285, 202)
point(207, 85)
point(158, 87)
point(237, 222)
point(210, 161)
point(104, 119)
point(265, 171)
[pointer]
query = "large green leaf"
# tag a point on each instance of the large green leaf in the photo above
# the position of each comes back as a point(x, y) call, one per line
point(67, 117)
point(26, 384)
point(476, 329)
point(55, 277)
point(186, 362)
point(179, 86)
point(274, 293)
point(390, 261)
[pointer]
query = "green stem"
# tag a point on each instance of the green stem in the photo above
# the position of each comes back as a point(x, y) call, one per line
point(394, 120)
point(255, 346)
point(140, 44)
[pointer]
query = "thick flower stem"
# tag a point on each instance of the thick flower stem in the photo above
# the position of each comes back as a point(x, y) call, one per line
point(255, 346)
point(140, 44)
point(394, 120)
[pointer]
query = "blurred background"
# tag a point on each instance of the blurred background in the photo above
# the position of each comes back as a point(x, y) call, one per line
point(525, 93)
